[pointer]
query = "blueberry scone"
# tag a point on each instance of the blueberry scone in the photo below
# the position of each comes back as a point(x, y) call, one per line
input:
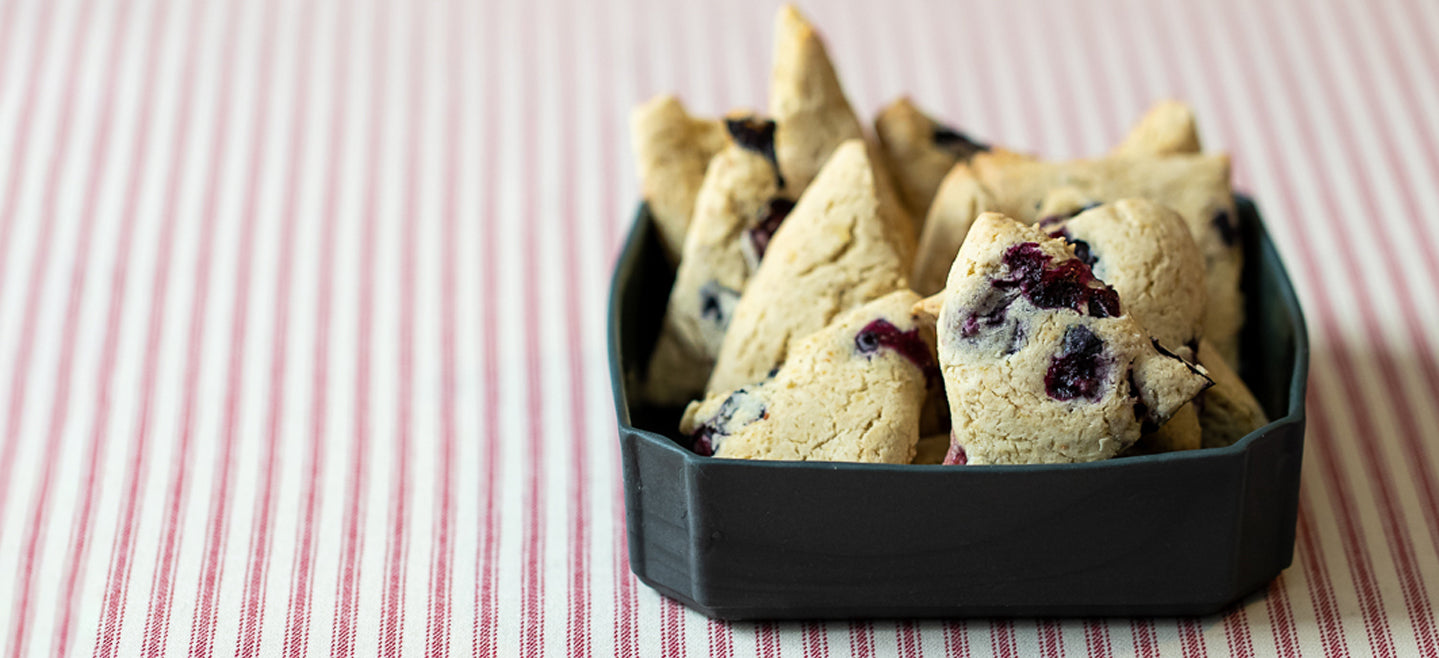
point(920, 151)
point(961, 197)
point(841, 246)
point(849, 392)
point(1166, 129)
point(1228, 410)
point(672, 150)
point(1144, 251)
point(740, 205)
point(806, 100)
point(1039, 362)
point(1195, 186)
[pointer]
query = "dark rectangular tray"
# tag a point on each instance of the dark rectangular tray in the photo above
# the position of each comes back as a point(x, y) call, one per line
point(1170, 534)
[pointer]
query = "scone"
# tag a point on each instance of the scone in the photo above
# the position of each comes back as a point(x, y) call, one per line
point(672, 150)
point(739, 206)
point(1166, 129)
point(1144, 251)
point(1227, 411)
point(920, 151)
point(961, 197)
point(839, 248)
point(1195, 186)
point(1039, 363)
point(850, 392)
point(806, 100)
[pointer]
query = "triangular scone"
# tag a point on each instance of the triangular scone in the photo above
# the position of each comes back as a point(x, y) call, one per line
point(837, 249)
point(1227, 411)
point(1195, 186)
point(1144, 251)
point(806, 100)
point(1039, 364)
point(960, 198)
point(920, 152)
point(851, 391)
point(1166, 129)
point(739, 207)
point(672, 150)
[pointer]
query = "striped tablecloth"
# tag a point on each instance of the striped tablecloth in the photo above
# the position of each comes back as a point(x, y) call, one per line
point(302, 329)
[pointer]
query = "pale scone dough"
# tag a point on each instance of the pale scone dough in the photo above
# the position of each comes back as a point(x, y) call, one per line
point(672, 150)
point(920, 151)
point(1168, 128)
point(849, 392)
point(1039, 363)
point(1228, 410)
point(842, 245)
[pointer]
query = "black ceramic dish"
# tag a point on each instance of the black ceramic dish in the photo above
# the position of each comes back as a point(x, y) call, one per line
point(1170, 534)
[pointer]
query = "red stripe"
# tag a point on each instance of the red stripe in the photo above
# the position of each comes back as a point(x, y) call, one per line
point(297, 618)
point(437, 625)
point(767, 637)
point(1001, 635)
point(202, 630)
point(816, 642)
point(626, 634)
point(861, 639)
point(1326, 608)
point(1144, 640)
point(157, 618)
point(95, 449)
point(20, 154)
point(38, 266)
point(251, 626)
point(532, 578)
point(392, 620)
point(347, 588)
point(99, 150)
point(721, 638)
point(118, 579)
point(486, 567)
point(1236, 632)
point(1191, 637)
point(1051, 639)
point(1276, 600)
point(672, 637)
point(578, 640)
point(956, 638)
point(909, 640)
point(1096, 638)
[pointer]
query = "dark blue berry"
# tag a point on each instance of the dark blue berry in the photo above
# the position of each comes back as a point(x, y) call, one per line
point(771, 216)
point(756, 134)
point(880, 333)
point(956, 142)
point(1077, 371)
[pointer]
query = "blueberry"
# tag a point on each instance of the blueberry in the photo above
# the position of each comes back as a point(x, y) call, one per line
point(756, 134)
point(1051, 220)
point(1077, 370)
point(1083, 253)
point(1228, 232)
point(880, 333)
point(719, 425)
point(770, 217)
point(716, 303)
point(956, 142)
point(1070, 284)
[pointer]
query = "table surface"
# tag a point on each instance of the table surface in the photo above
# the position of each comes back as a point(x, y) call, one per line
point(302, 307)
